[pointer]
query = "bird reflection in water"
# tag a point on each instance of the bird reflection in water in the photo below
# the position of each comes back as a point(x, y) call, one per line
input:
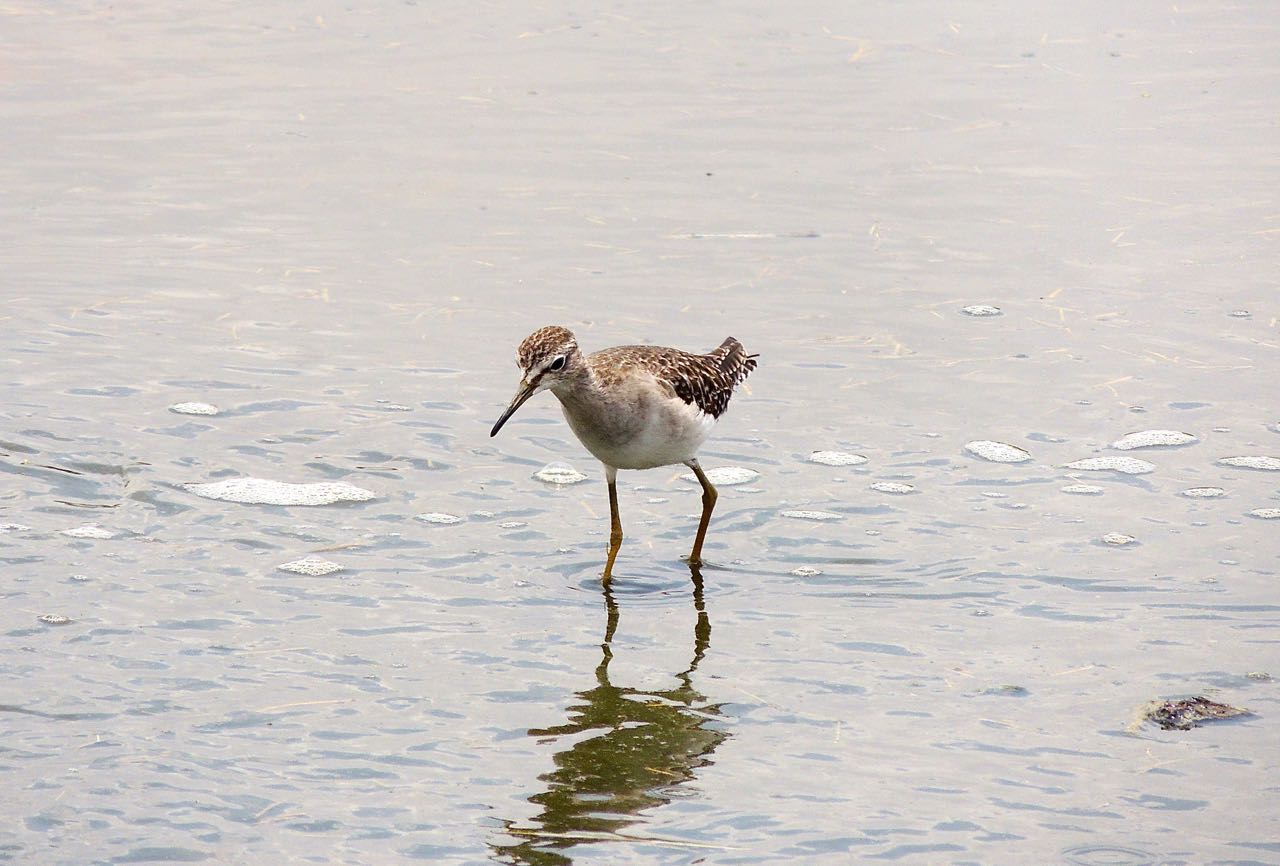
point(644, 745)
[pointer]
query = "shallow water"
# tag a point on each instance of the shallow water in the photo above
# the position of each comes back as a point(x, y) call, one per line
point(335, 222)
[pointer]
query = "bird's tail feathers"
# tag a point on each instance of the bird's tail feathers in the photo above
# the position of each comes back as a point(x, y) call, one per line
point(734, 359)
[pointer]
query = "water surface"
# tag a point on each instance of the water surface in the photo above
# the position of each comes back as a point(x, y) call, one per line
point(334, 223)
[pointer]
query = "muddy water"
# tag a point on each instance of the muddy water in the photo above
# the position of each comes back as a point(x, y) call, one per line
point(333, 223)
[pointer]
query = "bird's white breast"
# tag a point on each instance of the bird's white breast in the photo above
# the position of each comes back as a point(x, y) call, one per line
point(647, 429)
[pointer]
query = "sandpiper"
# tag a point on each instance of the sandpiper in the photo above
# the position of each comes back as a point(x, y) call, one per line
point(634, 407)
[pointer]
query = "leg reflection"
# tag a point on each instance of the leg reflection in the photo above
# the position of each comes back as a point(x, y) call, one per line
point(642, 747)
point(702, 629)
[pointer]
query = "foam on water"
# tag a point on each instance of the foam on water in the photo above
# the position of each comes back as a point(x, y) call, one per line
point(312, 566)
point(54, 619)
point(263, 491)
point(89, 530)
point(194, 409)
point(439, 517)
point(1269, 464)
point(806, 571)
point(1083, 489)
point(1118, 538)
point(981, 310)
point(1203, 492)
point(812, 515)
point(1127, 465)
point(837, 458)
point(1265, 513)
point(725, 475)
point(997, 452)
point(892, 487)
point(13, 527)
point(559, 473)
point(1153, 439)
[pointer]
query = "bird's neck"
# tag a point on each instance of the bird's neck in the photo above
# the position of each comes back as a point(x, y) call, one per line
point(579, 389)
point(585, 401)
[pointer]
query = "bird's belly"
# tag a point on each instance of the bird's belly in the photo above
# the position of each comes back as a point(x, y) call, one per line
point(666, 432)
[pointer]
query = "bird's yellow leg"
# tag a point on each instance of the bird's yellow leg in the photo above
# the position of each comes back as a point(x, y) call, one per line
point(709, 497)
point(615, 523)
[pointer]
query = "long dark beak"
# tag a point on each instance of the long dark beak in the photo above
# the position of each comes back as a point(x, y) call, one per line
point(524, 393)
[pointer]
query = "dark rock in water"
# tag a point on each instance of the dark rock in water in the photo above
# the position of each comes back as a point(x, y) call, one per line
point(1183, 715)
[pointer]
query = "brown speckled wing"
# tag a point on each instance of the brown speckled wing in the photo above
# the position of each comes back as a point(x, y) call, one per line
point(706, 381)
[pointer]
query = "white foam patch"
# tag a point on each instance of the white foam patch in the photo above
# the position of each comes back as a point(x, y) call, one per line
point(806, 571)
point(1083, 489)
point(1203, 492)
point(1118, 538)
point(559, 473)
point(892, 487)
point(13, 527)
point(312, 566)
point(837, 458)
point(89, 530)
point(1270, 464)
point(812, 515)
point(723, 476)
point(194, 409)
point(439, 517)
point(54, 619)
point(262, 491)
point(981, 310)
point(1265, 513)
point(997, 452)
point(1127, 465)
point(1153, 439)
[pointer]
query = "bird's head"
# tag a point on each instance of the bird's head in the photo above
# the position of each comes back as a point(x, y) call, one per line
point(545, 357)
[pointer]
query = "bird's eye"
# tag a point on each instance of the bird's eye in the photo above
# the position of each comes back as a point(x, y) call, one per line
point(557, 365)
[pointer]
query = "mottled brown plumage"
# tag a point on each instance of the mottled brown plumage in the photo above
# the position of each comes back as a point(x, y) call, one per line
point(706, 381)
point(634, 407)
